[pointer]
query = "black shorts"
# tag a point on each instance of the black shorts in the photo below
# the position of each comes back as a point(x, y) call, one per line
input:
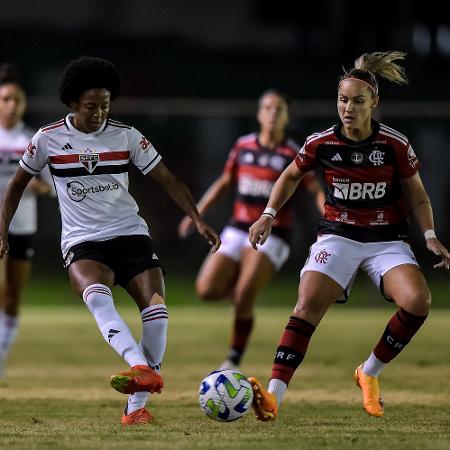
point(126, 256)
point(21, 246)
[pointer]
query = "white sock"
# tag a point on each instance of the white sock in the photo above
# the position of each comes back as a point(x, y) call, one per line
point(373, 366)
point(9, 327)
point(278, 388)
point(98, 299)
point(153, 344)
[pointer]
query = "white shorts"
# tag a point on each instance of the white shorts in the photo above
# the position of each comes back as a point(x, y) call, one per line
point(340, 258)
point(234, 240)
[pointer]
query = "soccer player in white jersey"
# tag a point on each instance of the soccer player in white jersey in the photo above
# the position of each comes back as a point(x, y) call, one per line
point(15, 269)
point(104, 241)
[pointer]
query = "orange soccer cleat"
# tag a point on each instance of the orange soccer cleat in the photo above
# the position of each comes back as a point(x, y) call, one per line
point(264, 403)
point(138, 417)
point(139, 378)
point(372, 401)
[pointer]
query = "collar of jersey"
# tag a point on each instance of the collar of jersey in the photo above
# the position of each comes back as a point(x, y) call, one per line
point(80, 133)
point(339, 135)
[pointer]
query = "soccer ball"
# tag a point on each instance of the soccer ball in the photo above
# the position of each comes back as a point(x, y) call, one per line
point(225, 395)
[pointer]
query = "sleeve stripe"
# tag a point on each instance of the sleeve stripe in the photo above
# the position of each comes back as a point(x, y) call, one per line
point(28, 168)
point(151, 162)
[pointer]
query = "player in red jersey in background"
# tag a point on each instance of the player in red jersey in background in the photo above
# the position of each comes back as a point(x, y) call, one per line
point(369, 170)
point(237, 270)
point(15, 269)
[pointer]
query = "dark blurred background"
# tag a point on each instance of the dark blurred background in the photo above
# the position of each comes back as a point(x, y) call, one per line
point(192, 71)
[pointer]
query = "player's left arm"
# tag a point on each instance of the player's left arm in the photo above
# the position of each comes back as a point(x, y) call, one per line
point(421, 207)
point(181, 195)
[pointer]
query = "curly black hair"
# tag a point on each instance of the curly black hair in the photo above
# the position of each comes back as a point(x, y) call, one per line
point(9, 73)
point(86, 73)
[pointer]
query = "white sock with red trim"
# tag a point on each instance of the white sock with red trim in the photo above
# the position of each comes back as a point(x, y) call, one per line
point(98, 299)
point(153, 344)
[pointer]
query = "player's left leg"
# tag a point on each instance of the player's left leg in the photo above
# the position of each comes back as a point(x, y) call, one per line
point(17, 275)
point(147, 290)
point(255, 273)
point(406, 285)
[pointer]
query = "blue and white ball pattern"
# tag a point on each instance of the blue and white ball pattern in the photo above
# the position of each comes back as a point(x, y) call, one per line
point(225, 395)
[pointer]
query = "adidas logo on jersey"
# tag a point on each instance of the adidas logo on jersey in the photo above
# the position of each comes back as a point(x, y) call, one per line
point(66, 147)
point(336, 157)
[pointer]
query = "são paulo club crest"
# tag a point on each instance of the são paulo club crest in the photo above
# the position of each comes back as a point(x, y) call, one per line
point(89, 160)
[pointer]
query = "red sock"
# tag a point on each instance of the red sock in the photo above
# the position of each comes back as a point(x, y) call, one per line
point(291, 348)
point(399, 331)
point(241, 332)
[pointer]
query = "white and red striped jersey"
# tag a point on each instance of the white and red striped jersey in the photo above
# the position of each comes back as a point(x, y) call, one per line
point(90, 172)
point(13, 143)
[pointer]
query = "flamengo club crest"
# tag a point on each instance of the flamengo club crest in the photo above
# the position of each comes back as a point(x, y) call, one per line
point(89, 160)
point(377, 158)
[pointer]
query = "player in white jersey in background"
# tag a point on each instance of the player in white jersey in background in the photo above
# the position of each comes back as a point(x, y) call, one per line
point(104, 241)
point(15, 269)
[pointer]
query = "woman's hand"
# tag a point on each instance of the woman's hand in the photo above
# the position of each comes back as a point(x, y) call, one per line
point(260, 230)
point(434, 245)
point(207, 233)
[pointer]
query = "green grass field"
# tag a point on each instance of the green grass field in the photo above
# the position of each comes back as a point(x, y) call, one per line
point(57, 393)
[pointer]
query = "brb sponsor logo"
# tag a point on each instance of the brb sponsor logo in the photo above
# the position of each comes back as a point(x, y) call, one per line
point(254, 187)
point(78, 191)
point(359, 191)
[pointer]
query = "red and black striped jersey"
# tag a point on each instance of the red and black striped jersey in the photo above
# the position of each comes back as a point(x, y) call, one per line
point(255, 170)
point(364, 199)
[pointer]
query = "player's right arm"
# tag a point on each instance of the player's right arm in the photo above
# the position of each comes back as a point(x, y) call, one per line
point(13, 194)
point(215, 192)
point(282, 191)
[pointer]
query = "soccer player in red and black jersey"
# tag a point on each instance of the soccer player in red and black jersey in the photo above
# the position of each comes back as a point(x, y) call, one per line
point(237, 270)
point(370, 173)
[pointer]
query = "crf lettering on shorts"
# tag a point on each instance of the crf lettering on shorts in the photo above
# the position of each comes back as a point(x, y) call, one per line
point(255, 187)
point(357, 191)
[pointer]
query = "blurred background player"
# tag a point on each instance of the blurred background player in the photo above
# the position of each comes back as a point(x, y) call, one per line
point(237, 270)
point(104, 241)
point(368, 169)
point(15, 268)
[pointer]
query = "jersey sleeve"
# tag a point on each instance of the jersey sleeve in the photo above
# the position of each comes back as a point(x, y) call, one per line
point(36, 155)
point(142, 153)
point(231, 163)
point(407, 161)
point(306, 157)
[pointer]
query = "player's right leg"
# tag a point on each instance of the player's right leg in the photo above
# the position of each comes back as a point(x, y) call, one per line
point(317, 292)
point(91, 280)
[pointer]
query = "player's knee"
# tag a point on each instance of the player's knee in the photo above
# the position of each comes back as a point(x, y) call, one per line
point(206, 291)
point(417, 302)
